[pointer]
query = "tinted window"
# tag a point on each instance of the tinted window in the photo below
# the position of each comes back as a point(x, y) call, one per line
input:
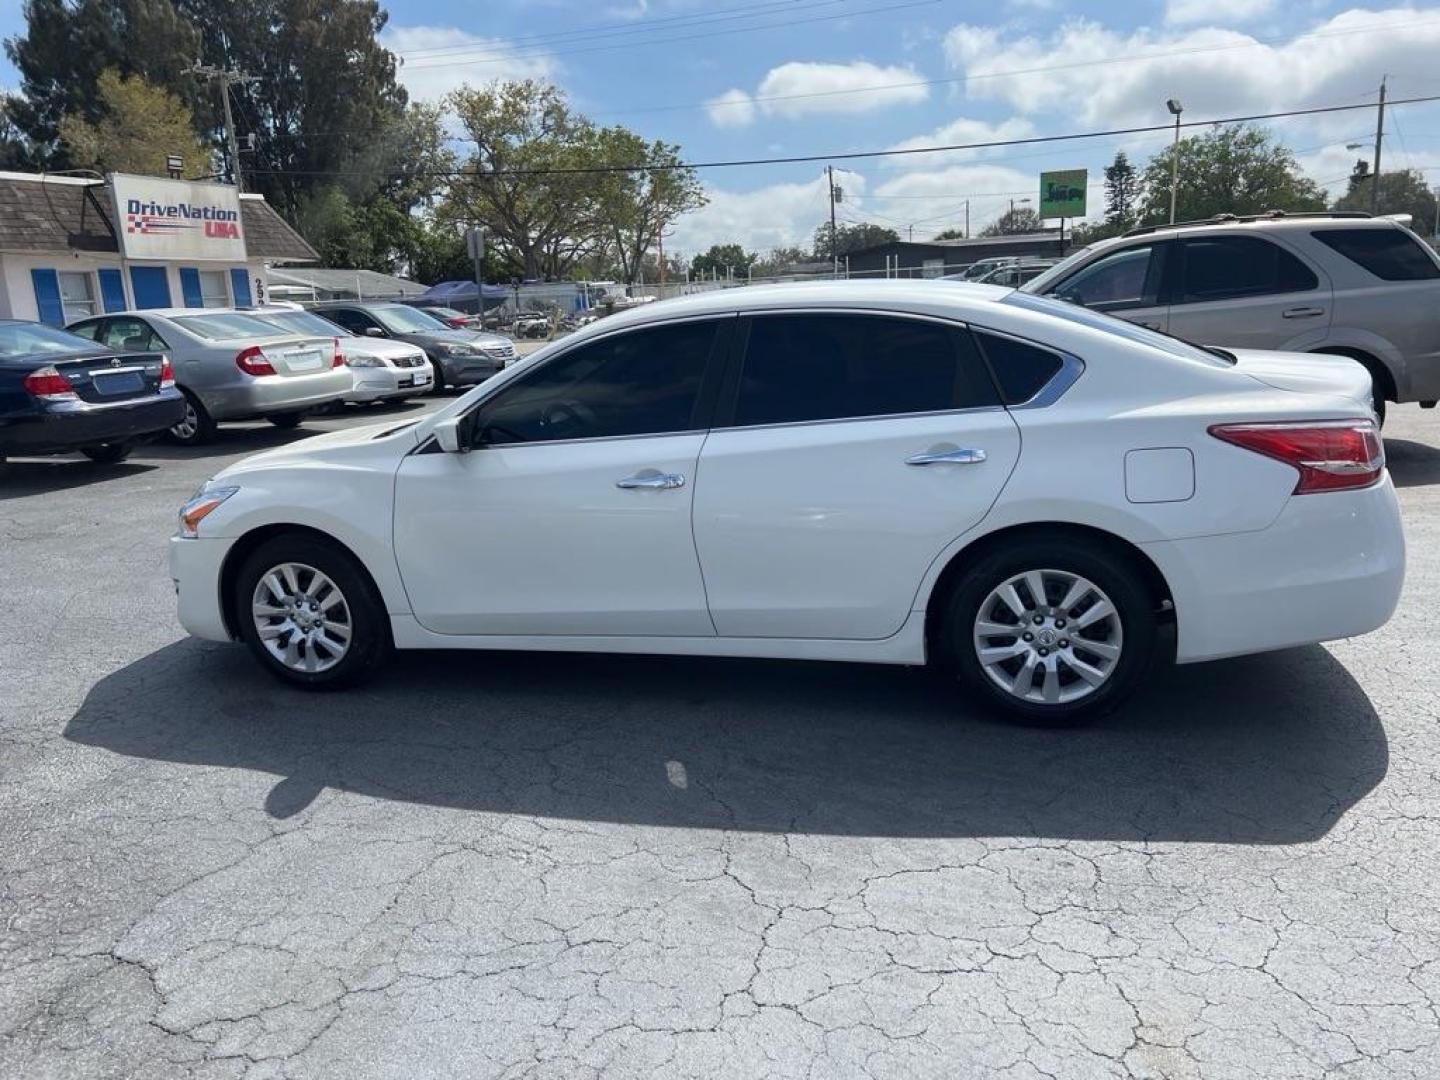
point(302, 322)
point(1389, 254)
point(645, 382)
point(1227, 267)
point(87, 330)
point(1127, 278)
point(407, 320)
point(826, 367)
point(350, 320)
point(1021, 369)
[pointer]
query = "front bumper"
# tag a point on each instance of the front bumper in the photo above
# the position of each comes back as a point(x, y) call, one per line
point(270, 394)
point(1330, 566)
point(195, 565)
point(469, 370)
point(69, 425)
point(379, 384)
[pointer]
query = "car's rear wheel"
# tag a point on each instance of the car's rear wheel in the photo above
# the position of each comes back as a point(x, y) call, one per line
point(1051, 633)
point(310, 614)
point(196, 427)
point(108, 453)
point(287, 421)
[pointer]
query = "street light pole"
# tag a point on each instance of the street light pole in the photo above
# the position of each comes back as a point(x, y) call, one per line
point(1379, 138)
point(1175, 109)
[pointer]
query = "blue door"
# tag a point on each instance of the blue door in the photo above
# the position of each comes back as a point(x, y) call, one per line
point(151, 286)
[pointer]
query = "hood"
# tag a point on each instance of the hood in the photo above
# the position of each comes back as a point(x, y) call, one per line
point(386, 348)
point(464, 337)
point(1306, 373)
point(335, 447)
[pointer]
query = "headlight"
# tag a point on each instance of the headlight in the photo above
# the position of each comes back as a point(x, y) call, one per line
point(205, 502)
point(446, 348)
point(364, 361)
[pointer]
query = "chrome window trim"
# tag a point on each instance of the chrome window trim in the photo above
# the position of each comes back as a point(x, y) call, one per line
point(869, 419)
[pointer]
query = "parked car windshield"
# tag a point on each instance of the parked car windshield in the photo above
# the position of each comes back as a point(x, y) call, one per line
point(226, 326)
point(27, 339)
point(1110, 324)
point(407, 320)
point(304, 322)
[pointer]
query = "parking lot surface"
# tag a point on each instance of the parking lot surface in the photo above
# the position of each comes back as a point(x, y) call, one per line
point(504, 865)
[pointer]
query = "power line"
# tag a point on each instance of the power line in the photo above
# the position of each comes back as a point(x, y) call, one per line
point(855, 155)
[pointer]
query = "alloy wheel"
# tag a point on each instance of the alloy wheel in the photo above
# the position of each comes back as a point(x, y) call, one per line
point(189, 424)
point(301, 617)
point(1050, 637)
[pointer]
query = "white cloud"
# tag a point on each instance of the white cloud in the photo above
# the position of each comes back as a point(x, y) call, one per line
point(935, 199)
point(1189, 12)
point(429, 76)
point(733, 108)
point(960, 130)
point(1116, 78)
point(773, 216)
point(802, 88)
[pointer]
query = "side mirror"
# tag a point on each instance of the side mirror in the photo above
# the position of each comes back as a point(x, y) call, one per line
point(453, 435)
point(374, 331)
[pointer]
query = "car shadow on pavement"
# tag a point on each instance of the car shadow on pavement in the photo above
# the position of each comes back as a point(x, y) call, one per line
point(1264, 750)
point(41, 476)
point(1412, 464)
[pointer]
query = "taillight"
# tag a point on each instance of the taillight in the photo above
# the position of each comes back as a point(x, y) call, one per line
point(1329, 455)
point(339, 358)
point(252, 361)
point(49, 384)
point(456, 324)
point(167, 373)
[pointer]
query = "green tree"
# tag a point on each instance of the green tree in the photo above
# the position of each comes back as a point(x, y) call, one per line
point(1019, 219)
point(632, 206)
point(1401, 192)
point(66, 46)
point(951, 234)
point(1234, 170)
point(720, 258)
point(139, 126)
point(777, 260)
point(851, 237)
point(1122, 192)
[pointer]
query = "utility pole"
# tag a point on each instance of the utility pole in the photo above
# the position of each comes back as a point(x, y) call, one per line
point(226, 79)
point(1175, 110)
point(834, 244)
point(967, 219)
point(1379, 138)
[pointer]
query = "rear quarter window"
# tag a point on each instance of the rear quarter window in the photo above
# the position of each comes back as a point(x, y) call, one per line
point(1020, 369)
point(1390, 254)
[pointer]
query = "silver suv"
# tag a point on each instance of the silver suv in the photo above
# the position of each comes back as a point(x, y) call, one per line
point(1342, 283)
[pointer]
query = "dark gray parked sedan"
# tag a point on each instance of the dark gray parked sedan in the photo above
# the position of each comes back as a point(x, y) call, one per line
point(460, 357)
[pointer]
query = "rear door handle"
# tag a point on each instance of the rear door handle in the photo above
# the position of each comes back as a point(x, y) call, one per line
point(1302, 312)
point(652, 479)
point(961, 456)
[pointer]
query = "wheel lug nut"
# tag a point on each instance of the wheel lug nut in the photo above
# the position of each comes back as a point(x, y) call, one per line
point(1044, 651)
point(1027, 636)
point(1064, 643)
point(1060, 624)
point(1038, 619)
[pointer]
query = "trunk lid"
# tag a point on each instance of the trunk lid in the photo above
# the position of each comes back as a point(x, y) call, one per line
point(1306, 373)
point(299, 355)
point(104, 378)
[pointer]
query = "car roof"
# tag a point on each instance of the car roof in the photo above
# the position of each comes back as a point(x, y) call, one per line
point(1278, 221)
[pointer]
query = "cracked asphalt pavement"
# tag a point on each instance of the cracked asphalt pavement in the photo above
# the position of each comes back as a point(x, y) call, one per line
point(504, 865)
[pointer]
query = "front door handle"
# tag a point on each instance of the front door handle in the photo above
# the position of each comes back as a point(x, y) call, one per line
point(652, 478)
point(1302, 312)
point(936, 456)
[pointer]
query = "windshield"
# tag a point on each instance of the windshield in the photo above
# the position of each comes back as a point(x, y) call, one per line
point(224, 327)
point(1041, 283)
point(304, 322)
point(1109, 324)
point(27, 339)
point(407, 320)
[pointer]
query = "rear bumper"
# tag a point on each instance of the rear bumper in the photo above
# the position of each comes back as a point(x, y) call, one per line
point(1331, 566)
point(195, 565)
point(68, 425)
point(269, 394)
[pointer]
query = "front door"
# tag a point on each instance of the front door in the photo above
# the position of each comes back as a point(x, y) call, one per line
point(851, 450)
point(572, 515)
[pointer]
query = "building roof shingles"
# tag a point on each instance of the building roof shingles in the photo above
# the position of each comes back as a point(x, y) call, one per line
point(62, 215)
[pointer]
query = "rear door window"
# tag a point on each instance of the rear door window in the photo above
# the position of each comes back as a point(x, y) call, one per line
point(830, 367)
point(1390, 254)
point(129, 334)
point(1231, 267)
point(1129, 278)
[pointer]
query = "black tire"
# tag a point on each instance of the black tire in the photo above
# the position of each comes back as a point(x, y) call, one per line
point(287, 421)
point(1113, 575)
point(369, 626)
point(108, 453)
point(439, 384)
point(198, 428)
point(1377, 400)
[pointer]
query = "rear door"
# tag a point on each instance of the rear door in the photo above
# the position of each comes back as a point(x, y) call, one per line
point(1247, 292)
point(851, 448)
point(1123, 281)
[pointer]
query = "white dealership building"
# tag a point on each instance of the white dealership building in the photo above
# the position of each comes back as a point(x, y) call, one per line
point(72, 246)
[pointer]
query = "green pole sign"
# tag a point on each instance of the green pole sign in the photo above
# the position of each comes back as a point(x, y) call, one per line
point(1062, 194)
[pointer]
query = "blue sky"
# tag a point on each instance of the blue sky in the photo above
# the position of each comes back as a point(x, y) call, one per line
point(756, 78)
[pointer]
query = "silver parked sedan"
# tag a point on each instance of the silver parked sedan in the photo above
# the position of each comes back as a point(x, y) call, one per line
point(384, 370)
point(230, 365)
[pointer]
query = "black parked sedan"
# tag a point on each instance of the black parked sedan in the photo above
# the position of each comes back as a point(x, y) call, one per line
point(61, 392)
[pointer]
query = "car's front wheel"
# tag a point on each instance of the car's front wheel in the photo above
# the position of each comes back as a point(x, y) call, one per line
point(1051, 633)
point(287, 421)
point(108, 453)
point(310, 614)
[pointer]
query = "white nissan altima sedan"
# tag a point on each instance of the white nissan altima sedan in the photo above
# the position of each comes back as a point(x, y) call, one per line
point(894, 472)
